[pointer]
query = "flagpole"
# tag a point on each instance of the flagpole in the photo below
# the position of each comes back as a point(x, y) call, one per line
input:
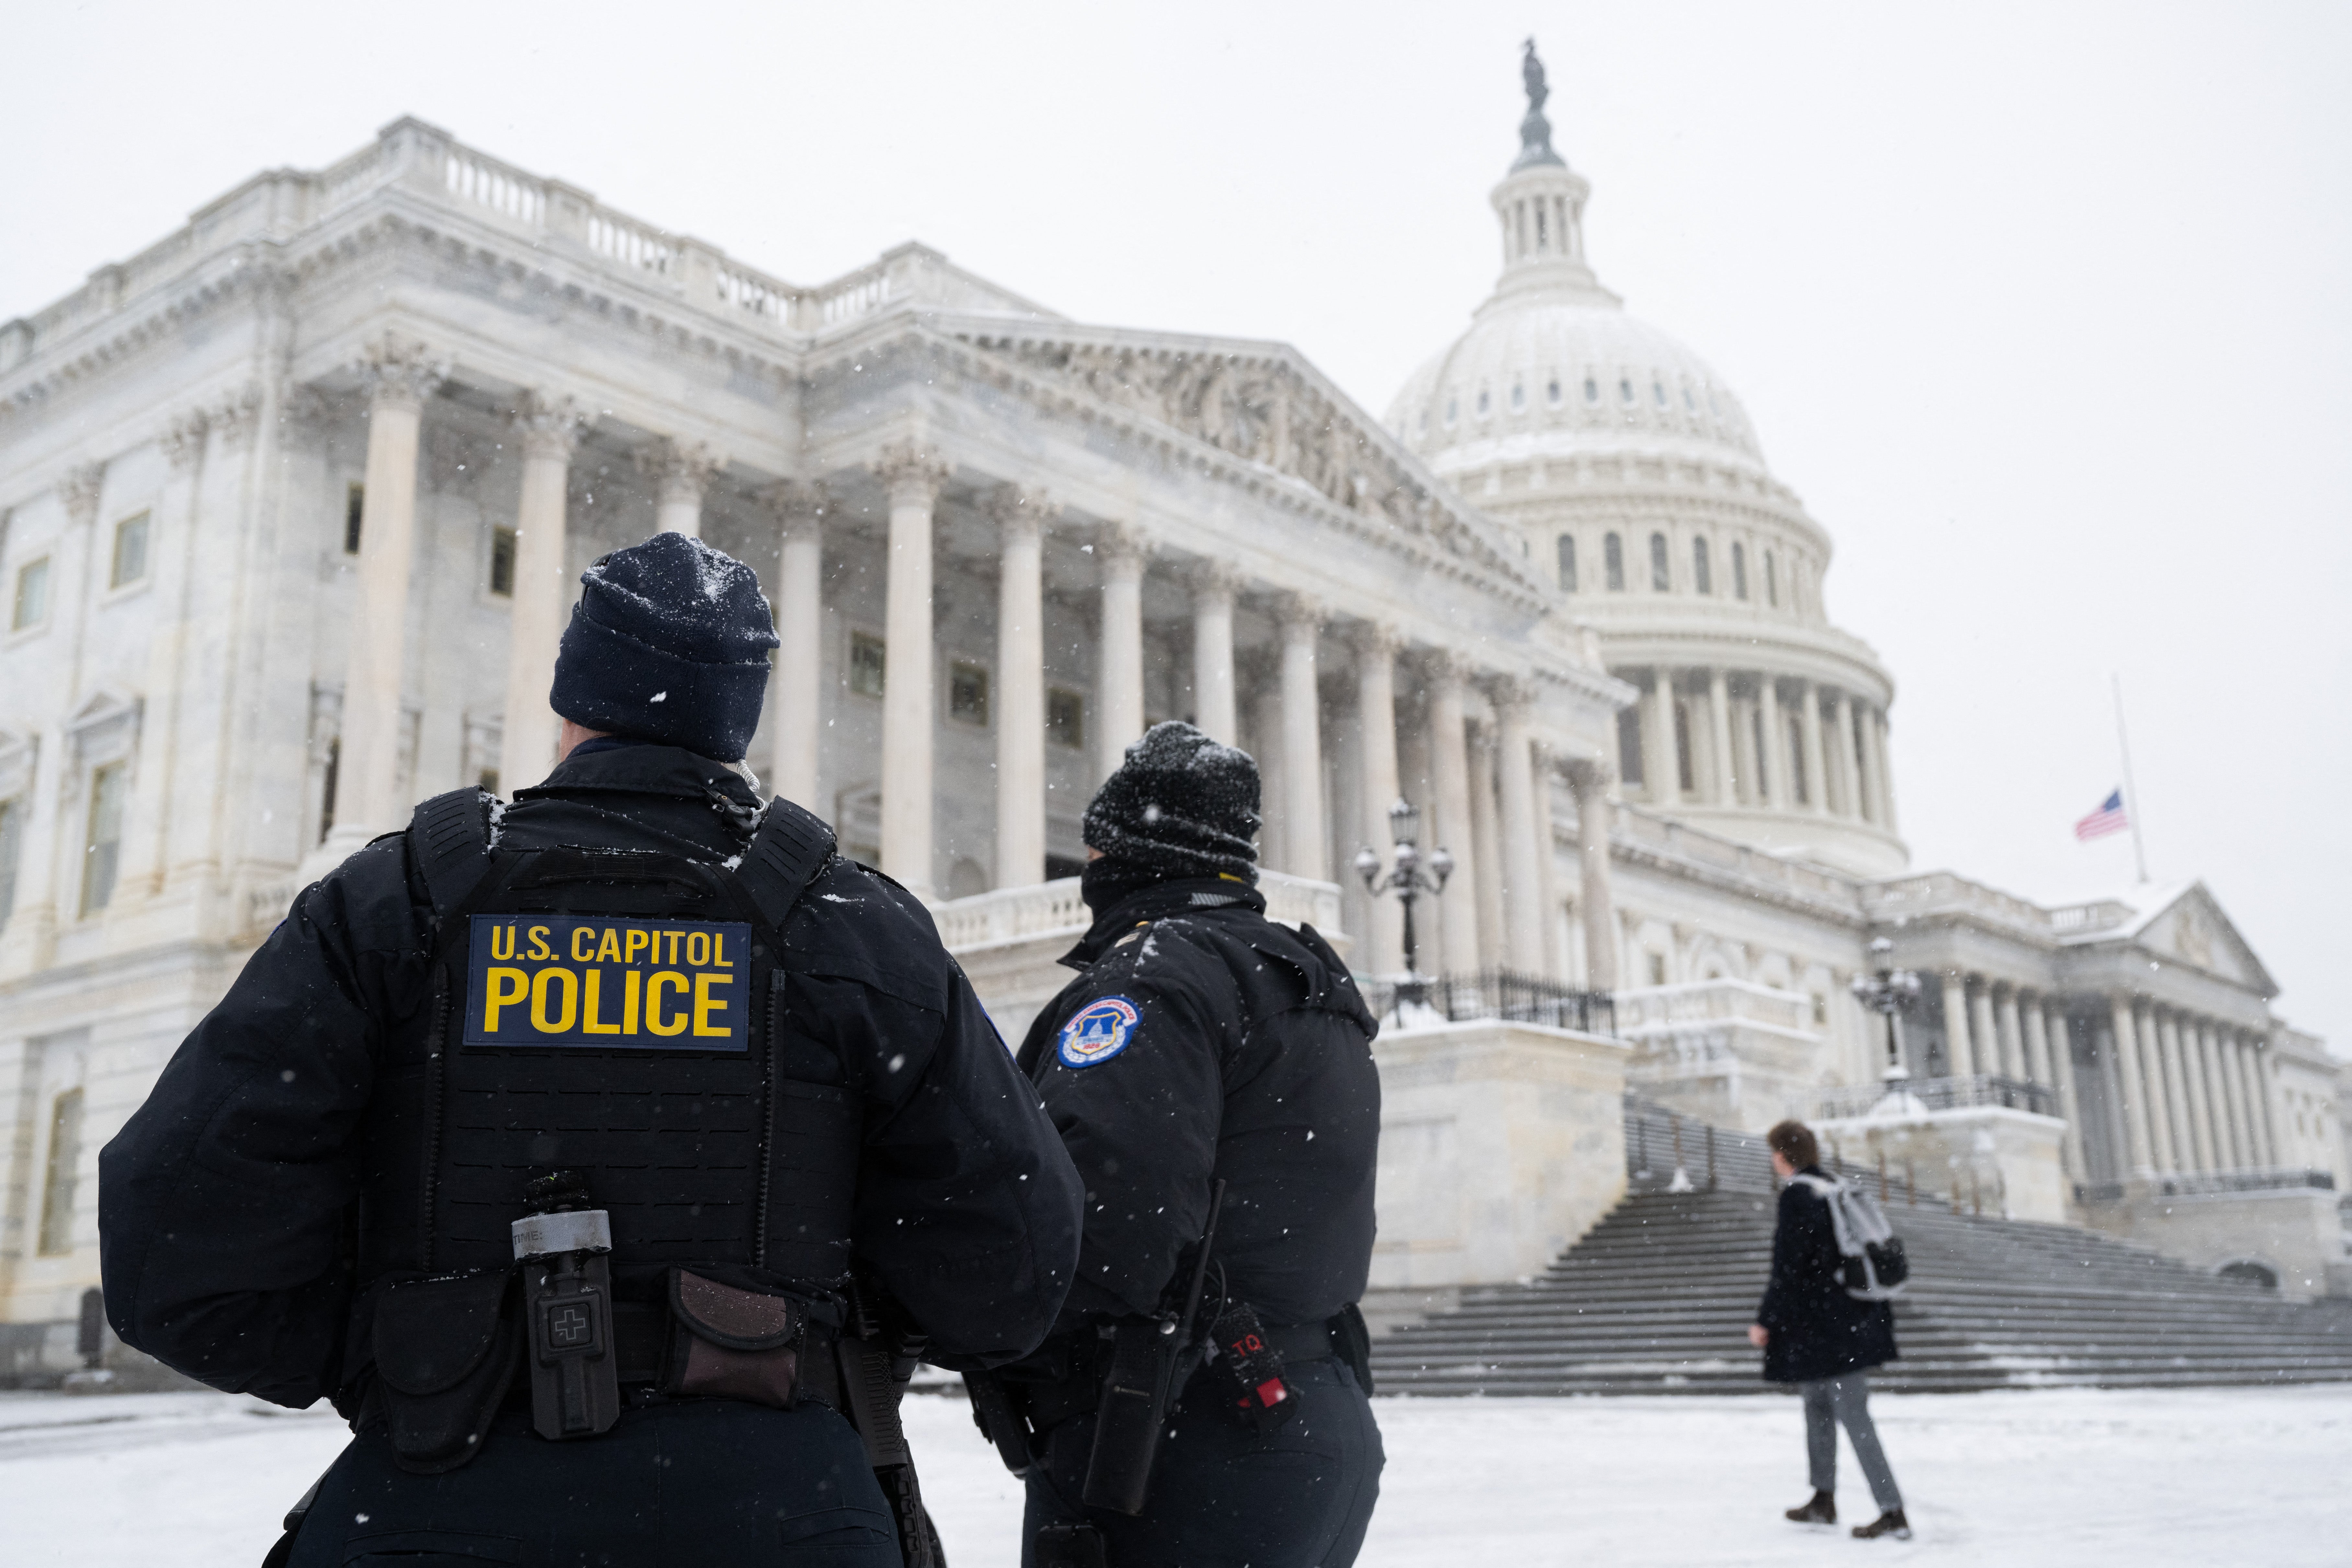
point(2131, 790)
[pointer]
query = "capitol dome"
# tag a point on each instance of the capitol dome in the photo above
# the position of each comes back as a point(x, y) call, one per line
point(1631, 472)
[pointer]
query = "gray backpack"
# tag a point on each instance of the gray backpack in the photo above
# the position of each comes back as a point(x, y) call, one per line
point(1875, 1269)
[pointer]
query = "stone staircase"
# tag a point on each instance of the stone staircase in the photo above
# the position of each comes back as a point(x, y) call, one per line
point(1657, 1298)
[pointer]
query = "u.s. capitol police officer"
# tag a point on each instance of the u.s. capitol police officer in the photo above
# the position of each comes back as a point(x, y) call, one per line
point(603, 1156)
point(1206, 1058)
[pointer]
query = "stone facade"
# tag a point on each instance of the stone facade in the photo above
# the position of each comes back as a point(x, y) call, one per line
point(295, 503)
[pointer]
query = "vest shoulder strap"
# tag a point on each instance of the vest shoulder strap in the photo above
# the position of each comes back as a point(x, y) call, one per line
point(450, 838)
point(791, 848)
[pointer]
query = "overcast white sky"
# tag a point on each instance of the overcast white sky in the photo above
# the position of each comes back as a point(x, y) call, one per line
point(2041, 308)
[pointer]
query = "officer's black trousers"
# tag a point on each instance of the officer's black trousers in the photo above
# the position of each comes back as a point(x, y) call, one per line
point(710, 1483)
point(1223, 1495)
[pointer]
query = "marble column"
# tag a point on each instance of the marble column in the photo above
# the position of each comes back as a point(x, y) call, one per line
point(2138, 1127)
point(1306, 835)
point(2163, 1093)
point(173, 548)
point(1960, 1052)
point(1375, 651)
point(680, 472)
point(1866, 766)
point(1486, 842)
point(1553, 935)
point(1119, 553)
point(799, 508)
point(2230, 1098)
point(2012, 1037)
point(1596, 900)
point(2037, 1044)
point(1020, 686)
point(2262, 1111)
point(2194, 1139)
point(1450, 827)
point(373, 796)
point(1724, 781)
point(1661, 765)
point(2070, 1094)
point(1215, 583)
point(913, 475)
point(1809, 724)
point(1774, 768)
point(1522, 857)
point(1260, 679)
point(2209, 1111)
point(1984, 1031)
point(548, 427)
point(1845, 766)
point(1884, 769)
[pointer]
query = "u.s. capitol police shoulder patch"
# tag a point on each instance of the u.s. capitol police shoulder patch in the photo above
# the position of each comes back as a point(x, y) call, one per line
point(1099, 1031)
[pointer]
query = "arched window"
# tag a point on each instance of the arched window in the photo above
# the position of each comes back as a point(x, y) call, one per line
point(1702, 574)
point(1661, 576)
point(1484, 400)
point(1519, 395)
point(1625, 389)
point(1568, 564)
point(1553, 392)
point(1629, 745)
point(1612, 562)
point(1591, 390)
point(1738, 571)
point(1771, 581)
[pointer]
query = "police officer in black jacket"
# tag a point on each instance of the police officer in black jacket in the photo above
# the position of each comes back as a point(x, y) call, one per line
point(597, 1153)
point(1203, 1043)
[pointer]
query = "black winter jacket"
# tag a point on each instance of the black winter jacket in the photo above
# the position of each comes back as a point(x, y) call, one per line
point(1817, 1329)
point(1205, 1041)
point(225, 1202)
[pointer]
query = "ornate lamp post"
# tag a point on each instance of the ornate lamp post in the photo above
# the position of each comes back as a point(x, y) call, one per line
point(1891, 993)
point(1410, 877)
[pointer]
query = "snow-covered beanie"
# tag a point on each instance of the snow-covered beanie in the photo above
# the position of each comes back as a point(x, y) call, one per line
point(1180, 805)
point(670, 644)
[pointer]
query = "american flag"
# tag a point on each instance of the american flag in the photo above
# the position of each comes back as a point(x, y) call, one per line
point(2108, 818)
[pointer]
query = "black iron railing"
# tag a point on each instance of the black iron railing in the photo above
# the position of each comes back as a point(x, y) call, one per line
point(1943, 1094)
point(1498, 993)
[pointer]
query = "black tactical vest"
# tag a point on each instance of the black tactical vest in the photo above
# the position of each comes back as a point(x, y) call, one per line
point(613, 1014)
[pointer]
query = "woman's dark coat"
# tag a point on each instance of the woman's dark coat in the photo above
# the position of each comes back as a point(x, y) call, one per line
point(1817, 1329)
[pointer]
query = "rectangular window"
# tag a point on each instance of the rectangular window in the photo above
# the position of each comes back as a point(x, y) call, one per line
point(32, 607)
point(64, 1167)
point(1612, 552)
point(502, 554)
point(1568, 564)
point(1801, 788)
point(12, 839)
point(1066, 717)
point(130, 552)
point(1629, 745)
point(1740, 572)
point(1702, 573)
point(1683, 745)
point(102, 857)
point(866, 665)
point(487, 781)
point(327, 789)
point(1657, 969)
point(968, 692)
point(355, 508)
point(1661, 573)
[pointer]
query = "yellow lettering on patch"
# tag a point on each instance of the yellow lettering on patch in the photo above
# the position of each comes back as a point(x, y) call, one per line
point(609, 950)
point(718, 950)
point(635, 980)
point(704, 1007)
point(697, 949)
point(539, 948)
point(541, 984)
point(591, 1006)
point(500, 996)
point(665, 980)
point(508, 932)
point(639, 940)
point(577, 933)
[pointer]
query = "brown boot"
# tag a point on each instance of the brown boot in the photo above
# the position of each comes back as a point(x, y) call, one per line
point(1823, 1510)
point(1891, 1522)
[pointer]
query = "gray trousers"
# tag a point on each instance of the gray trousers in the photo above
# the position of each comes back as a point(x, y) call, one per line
point(1834, 1402)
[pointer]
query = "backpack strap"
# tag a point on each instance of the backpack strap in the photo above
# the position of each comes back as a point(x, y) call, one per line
point(791, 848)
point(449, 839)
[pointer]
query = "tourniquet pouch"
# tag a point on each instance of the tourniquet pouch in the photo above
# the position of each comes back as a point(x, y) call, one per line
point(445, 1349)
point(731, 1338)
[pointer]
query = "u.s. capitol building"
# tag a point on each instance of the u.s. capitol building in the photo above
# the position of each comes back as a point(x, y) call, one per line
point(295, 503)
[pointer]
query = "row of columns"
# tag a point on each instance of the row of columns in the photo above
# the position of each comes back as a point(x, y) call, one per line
point(2005, 1031)
point(1502, 827)
point(1738, 726)
point(2195, 1094)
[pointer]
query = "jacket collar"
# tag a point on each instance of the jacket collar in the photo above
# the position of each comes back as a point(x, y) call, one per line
point(644, 769)
point(1157, 902)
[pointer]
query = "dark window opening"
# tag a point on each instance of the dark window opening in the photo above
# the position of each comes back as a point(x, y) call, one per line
point(1629, 745)
point(110, 791)
point(502, 562)
point(1066, 717)
point(867, 664)
point(327, 788)
point(1682, 775)
point(1740, 572)
point(354, 507)
point(1801, 787)
point(1661, 573)
point(130, 552)
point(1702, 573)
point(1567, 562)
point(968, 692)
point(1612, 552)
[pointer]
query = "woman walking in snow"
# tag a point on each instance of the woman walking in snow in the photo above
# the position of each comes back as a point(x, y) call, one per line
point(1816, 1336)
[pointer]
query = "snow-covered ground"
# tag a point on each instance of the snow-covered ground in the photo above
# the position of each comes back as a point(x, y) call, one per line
point(2024, 1480)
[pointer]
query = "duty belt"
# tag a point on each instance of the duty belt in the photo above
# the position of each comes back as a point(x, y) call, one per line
point(1050, 1403)
point(641, 1332)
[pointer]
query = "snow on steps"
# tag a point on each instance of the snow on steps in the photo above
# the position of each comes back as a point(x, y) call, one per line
point(1657, 1298)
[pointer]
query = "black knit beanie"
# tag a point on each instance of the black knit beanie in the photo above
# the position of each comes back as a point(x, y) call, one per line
point(670, 644)
point(1180, 805)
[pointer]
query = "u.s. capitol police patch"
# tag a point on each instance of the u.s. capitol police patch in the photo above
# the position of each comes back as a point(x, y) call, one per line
point(1101, 1029)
